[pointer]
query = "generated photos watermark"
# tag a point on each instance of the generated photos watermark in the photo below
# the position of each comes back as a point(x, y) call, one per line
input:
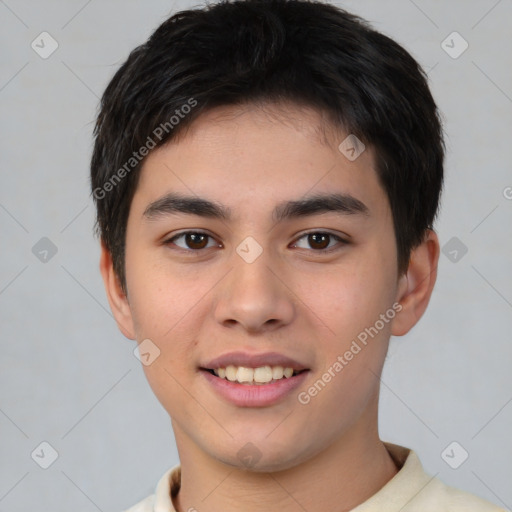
point(156, 136)
point(357, 345)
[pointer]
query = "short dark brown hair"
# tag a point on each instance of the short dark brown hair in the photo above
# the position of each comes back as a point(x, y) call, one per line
point(237, 52)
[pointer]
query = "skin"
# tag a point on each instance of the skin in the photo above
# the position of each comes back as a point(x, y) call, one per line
point(325, 455)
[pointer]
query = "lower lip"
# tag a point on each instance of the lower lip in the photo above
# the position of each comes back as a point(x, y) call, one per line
point(247, 395)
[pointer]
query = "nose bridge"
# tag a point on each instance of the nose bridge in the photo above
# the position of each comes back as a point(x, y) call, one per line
point(252, 270)
point(252, 274)
point(253, 294)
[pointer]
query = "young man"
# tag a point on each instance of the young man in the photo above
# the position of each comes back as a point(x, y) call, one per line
point(266, 175)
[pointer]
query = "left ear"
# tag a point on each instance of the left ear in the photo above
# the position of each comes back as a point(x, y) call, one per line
point(416, 285)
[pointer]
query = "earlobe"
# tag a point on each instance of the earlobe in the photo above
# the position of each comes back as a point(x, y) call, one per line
point(416, 285)
point(116, 297)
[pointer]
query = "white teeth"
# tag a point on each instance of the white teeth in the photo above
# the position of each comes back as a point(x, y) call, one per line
point(263, 374)
point(277, 372)
point(244, 374)
point(231, 373)
point(260, 375)
point(288, 372)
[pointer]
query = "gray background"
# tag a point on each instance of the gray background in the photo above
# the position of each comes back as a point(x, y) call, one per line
point(68, 377)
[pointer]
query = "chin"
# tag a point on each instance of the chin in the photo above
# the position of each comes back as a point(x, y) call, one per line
point(272, 465)
point(261, 457)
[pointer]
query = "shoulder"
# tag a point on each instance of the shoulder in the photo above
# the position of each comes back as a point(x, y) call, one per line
point(414, 490)
point(145, 505)
point(161, 499)
point(443, 498)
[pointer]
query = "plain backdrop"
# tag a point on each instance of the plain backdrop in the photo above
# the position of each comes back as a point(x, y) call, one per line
point(70, 379)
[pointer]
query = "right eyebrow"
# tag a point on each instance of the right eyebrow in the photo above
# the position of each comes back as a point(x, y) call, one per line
point(177, 203)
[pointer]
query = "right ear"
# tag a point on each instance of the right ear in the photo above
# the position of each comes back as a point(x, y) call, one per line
point(115, 294)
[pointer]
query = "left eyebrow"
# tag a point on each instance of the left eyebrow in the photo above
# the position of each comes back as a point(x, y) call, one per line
point(344, 204)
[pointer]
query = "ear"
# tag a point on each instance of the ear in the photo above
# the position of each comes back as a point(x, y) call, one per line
point(416, 285)
point(115, 295)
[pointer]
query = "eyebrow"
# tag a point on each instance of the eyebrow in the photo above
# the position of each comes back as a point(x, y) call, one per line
point(172, 203)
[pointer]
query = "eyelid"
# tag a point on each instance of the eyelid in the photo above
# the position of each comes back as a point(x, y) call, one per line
point(324, 231)
point(343, 240)
point(169, 240)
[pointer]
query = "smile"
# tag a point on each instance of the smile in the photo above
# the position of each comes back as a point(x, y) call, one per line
point(251, 393)
point(258, 376)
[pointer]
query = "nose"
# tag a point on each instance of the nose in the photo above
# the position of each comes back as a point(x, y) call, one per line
point(255, 296)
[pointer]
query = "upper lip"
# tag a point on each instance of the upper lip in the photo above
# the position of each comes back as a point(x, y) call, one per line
point(253, 361)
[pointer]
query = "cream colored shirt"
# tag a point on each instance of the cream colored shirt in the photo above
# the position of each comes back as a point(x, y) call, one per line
point(410, 490)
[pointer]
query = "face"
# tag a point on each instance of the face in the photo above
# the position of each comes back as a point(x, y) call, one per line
point(289, 259)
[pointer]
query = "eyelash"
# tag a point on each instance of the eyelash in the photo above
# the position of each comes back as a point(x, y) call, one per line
point(317, 251)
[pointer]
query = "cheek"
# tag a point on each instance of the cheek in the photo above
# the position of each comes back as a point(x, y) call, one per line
point(353, 356)
point(352, 299)
point(160, 297)
point(165, 310)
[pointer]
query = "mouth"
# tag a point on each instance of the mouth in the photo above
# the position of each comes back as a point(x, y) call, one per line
point(239, 386)
point(247, 379)
point(259, 376)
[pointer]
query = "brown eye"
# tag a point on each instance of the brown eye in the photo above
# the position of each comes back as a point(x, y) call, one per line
point(191, 241)
point(320, 241)
point(196, 240)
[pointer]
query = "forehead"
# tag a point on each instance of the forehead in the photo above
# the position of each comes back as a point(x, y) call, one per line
point(256, 156)
point(285, 116)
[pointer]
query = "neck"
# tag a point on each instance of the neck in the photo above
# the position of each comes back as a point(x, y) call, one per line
point(345, 474)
